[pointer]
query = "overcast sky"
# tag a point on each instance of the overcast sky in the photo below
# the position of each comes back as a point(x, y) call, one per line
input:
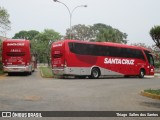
point(134, 17)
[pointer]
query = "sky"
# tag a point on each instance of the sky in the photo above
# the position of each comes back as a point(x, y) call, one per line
point(134, 17)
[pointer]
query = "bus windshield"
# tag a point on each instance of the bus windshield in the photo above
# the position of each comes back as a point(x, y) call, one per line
point(150, 58)
point(57, 54)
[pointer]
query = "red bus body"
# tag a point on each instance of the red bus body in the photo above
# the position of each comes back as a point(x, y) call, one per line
point(78, 58)
point(17, 57)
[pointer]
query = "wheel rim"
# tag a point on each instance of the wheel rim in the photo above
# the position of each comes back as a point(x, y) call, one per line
point(95, 73)
point(142, 73)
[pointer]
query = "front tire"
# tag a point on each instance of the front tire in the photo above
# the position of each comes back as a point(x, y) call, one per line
point(95, 73)
point(141, 73)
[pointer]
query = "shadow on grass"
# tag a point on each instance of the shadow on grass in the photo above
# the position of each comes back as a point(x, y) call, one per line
point(150, 104)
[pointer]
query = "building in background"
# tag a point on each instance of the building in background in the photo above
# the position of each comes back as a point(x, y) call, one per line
point(2, 38)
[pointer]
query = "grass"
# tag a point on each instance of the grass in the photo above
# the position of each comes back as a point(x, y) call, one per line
point(46, 72)
point(155, 92)
point(1, 72)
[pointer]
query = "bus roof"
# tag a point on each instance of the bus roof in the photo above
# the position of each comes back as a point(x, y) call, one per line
point(15, 40)
point(106, 43)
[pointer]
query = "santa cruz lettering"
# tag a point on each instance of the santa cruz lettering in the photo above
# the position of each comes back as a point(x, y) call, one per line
point(15, 44)
point(118, 61)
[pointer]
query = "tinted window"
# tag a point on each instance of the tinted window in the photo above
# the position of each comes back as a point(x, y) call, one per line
point(100, 50)
point(15, 53)
point(57, 55)
point(88, 49)
point(149, 57)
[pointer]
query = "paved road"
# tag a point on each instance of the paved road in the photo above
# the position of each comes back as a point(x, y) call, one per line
point(32, 93)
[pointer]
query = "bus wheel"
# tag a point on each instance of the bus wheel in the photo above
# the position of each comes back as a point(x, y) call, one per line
point(95, 73)
point(30, 73)
point(10, 74)
point(126, 76)
point(141, 73)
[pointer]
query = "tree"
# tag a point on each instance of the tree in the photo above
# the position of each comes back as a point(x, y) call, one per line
point(155, 34)
point(80, 32)
point(4, 19)
point(26, 34)
point(42, 42)
point(98, 32)
point(105, 33)
point(151, 48)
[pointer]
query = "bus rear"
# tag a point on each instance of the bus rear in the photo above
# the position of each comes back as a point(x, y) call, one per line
point(58, 62)
point(16, 56)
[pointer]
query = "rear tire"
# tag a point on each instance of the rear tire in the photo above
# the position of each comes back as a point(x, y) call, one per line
point(141, 73)
point(126, 76)
point(30, 73)
point(10, 74)
point(95, 73)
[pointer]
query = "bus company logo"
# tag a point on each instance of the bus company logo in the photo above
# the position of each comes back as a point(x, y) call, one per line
point(21, 114)
point(118, 61)
point(15, 44)
point(57, 45)
point(6, 114)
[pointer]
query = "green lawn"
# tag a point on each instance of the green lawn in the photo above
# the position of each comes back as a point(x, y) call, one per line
point(1, 72)
point(155, 92)
point(46, 72)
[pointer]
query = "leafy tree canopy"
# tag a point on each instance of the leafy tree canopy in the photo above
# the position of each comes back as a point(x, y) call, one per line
point(97, 32)
point(41, 44)
point(4, 19)
point(80, 32)
point(26, 34)
point(151, 48)
point(105, 33)
point(155, 34)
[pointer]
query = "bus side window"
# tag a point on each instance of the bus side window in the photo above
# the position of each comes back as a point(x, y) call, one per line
point(71, 47)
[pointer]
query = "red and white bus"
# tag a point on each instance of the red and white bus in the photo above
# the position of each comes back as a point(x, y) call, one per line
point(94, 59)
point(17, 57)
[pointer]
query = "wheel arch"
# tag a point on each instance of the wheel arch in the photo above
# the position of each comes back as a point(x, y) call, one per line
point(96, 68)
point(142, 72)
